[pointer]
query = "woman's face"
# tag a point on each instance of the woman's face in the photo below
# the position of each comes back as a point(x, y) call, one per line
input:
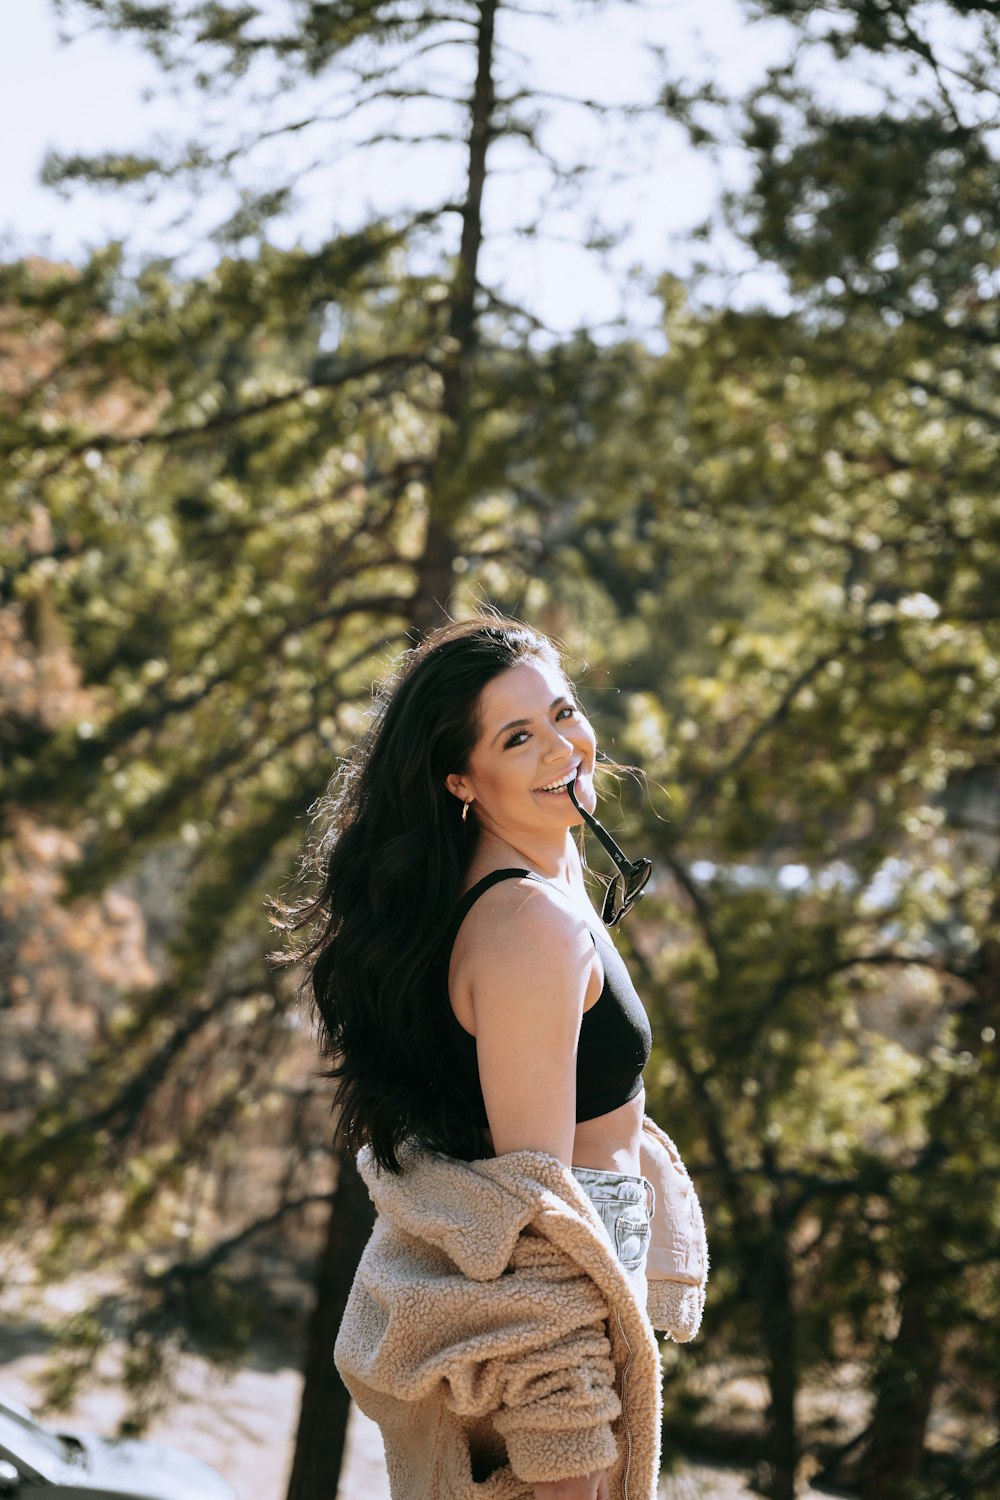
point(532, 734)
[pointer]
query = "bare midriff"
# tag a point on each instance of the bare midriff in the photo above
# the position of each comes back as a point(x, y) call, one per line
point(611, 1142)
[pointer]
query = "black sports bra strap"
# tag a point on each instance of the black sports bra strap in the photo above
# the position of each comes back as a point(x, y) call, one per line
point(474, 892)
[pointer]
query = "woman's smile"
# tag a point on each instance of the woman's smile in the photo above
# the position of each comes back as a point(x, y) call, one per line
point(557, 786)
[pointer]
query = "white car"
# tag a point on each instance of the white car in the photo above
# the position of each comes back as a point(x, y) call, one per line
point(73, 1465)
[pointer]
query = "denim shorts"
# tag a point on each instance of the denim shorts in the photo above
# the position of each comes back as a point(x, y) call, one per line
point(625, 1207)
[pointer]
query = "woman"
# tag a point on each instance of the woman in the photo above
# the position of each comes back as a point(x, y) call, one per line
point(489, 1048)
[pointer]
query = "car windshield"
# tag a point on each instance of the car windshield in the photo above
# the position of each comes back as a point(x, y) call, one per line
point(24, 1442)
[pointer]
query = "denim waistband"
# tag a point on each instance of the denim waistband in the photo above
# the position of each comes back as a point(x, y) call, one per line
point(618, 1187)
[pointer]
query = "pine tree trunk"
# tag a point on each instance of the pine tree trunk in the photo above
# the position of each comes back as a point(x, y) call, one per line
point(778, 1479)
point(429, 606)
point(322, 1431)
point(904, 1388)
point(448, 476)
point(904, 1381)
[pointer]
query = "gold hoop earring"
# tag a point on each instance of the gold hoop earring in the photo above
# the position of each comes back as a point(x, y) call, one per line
point(465, 808)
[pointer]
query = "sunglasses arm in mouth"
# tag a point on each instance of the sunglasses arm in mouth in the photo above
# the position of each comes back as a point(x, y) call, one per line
point(634, 874)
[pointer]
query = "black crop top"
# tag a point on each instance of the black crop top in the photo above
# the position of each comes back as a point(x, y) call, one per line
point(615, 1039)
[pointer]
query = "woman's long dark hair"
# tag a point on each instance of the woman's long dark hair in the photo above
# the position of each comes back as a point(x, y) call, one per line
point(392, 853)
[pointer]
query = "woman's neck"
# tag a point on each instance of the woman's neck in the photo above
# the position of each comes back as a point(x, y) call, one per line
point(556, 861)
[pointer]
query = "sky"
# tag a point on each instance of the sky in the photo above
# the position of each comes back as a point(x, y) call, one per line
point(99, 93)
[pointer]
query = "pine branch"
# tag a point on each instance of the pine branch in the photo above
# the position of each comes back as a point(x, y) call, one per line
point(160, 437)
point(204, 1265)
point(711, 782)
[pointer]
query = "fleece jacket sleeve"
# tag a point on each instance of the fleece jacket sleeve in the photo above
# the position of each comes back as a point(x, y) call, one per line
point(558, 1398)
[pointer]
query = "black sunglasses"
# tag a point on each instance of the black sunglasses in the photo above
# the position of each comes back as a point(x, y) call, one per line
point(630, 882)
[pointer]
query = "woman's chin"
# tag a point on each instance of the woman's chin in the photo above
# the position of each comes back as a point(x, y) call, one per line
point(559, 802)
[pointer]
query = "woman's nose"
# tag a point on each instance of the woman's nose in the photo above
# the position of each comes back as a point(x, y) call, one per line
point(558, 745)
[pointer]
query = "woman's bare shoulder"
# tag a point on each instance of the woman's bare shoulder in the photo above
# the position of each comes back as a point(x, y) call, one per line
point(519, 917)
point(529, 896)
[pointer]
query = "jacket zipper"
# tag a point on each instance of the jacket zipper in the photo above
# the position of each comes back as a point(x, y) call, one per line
point(628, 1435)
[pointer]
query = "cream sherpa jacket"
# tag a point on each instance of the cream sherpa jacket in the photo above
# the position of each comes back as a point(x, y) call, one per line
point(493, 1335)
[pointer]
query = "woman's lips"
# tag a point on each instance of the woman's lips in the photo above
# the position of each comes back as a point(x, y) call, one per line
point(560, 791)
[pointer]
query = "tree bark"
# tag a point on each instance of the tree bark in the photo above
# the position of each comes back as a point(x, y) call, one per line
point(429, 605)
point(322, 1430)
point(778, 1312)
point(447, 479)
point(905, 1378)
point(904, 1388)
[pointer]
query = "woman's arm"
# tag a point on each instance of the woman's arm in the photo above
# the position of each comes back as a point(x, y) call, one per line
point(529, 964)
point(530, 968)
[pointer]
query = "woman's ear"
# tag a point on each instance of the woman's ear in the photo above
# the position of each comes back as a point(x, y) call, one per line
point(457, 786)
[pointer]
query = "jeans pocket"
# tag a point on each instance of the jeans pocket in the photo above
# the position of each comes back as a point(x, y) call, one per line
point(631, 1237)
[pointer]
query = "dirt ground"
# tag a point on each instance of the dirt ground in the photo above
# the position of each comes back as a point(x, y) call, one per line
point(244, 1426)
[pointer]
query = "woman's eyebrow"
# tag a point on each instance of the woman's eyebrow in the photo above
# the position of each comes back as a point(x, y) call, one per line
point(519, 723)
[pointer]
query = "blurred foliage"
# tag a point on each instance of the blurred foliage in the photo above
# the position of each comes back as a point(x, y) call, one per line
point(772, 555)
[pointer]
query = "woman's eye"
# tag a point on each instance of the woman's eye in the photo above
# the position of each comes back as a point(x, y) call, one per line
point(516, 737)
